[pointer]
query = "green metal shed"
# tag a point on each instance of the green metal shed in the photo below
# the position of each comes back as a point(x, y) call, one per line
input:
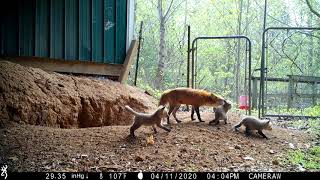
point(88, 30)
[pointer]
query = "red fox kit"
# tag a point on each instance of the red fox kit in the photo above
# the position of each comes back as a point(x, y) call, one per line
point(221, 113)
point(252, 123)
point(188, 96)
point(153, 119)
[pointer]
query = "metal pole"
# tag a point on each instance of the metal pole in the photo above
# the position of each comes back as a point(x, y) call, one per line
point(265, 15)
point(261, 94)
point(192, 65)
point(188, 59)
point(262, 78)
point(138, 54)
point(196, 66)
point(249, 44)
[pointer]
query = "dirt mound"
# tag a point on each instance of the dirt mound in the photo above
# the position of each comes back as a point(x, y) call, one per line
point(36, 97)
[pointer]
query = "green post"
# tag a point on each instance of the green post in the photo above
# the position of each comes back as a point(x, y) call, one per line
point(314, 93)
point(290, 92)
point(254, 92)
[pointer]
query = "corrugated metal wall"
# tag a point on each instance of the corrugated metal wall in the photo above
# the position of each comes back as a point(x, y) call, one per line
point(88, 30)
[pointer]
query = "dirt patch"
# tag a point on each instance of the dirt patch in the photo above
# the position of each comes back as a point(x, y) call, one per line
point(190, 146)
point(36, 97)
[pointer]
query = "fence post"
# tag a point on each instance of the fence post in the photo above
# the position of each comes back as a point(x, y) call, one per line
point(290, 92)
point(254, 92)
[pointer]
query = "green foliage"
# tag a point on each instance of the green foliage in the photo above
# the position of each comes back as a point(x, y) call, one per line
point(313, 111)
point(154, 92)
point(310, 111)
point(309, 159)
point(216, 67)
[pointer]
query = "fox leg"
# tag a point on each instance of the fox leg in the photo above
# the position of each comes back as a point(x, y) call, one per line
point(263, 135)
point(134, 127)
point(192, 114)
point(171, 108)
point(198, 113)
point(174, 113)
point(247, 131)
point(225, 120)
point(215, 120)
point(154, 129)
point(162, 127)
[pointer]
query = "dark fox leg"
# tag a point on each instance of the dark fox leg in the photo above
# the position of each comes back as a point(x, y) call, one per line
point(215, 121)
point(164, 128)
point(192, 114)
point(247, 131)
point(174, 113)
point(134, 127)
point(225, 120)
point(198, 113)
point(263, 135)
point(154, 129)
point(171, 108)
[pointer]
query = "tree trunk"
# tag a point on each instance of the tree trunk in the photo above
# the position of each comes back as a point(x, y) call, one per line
point(238, 54)
point(182, 44)
point(162, 31)
point(228, 66)
point(160, 72)
point(310, 48)
point(163, 19)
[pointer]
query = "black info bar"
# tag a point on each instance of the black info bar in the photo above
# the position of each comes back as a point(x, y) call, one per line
point(158, 175)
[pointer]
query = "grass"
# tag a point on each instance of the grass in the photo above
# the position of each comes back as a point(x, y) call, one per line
point(310, 111)
point(309, 159)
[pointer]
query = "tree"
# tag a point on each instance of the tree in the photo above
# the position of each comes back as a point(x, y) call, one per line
point(163, 16)
point(238, 57)
point(220, 65)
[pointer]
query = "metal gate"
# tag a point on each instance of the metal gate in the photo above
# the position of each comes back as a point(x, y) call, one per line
point(248, 51)
point(264, 79)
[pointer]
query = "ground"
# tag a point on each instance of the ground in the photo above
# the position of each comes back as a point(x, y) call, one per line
point(190, 146)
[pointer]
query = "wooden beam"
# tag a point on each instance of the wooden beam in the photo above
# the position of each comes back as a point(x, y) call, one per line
point(128, 61)
point(302, 79)
point(285, 95)
point(64, 66)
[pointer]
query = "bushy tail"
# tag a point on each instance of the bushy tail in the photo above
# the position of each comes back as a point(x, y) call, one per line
point(236, 127)
point(131, 110)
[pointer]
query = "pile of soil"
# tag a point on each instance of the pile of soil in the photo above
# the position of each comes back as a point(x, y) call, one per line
point(36, 97)
point(190, 146)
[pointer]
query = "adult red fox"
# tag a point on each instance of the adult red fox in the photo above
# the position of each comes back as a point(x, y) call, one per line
point(188, 96)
